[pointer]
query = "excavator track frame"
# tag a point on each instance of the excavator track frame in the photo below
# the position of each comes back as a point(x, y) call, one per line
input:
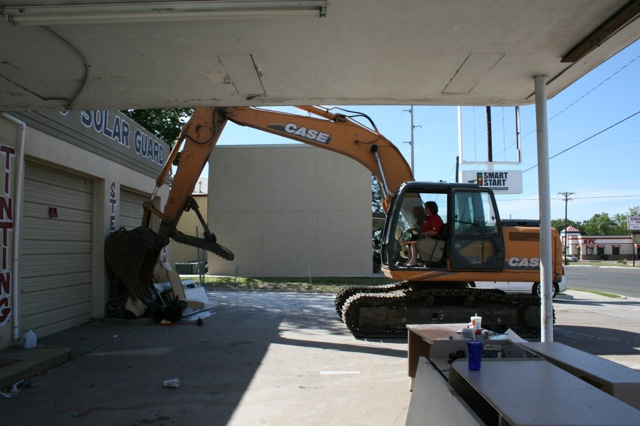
point(385, 314)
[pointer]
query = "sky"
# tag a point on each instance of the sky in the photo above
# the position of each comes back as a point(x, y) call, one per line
point(594, 142)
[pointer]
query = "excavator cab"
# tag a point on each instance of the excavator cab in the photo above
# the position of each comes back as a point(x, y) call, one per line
point(471, 236)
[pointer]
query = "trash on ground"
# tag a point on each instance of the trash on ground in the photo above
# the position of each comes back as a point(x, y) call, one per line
point(15, 388)
point(171, 383)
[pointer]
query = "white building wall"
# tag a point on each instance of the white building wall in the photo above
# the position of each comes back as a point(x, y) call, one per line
point(107, 178)
point(289, 210)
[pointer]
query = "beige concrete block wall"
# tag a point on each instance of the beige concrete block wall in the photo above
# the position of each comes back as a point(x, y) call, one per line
point(289, 210)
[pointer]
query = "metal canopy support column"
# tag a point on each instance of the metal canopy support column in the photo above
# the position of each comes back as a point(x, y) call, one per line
point(544, 194)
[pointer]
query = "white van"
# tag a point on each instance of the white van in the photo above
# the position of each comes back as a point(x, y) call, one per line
point(522, 287)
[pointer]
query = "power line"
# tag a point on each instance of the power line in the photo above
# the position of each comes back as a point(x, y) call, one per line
point(607, 196)
point(581, 97)
point(589, 92)
point(574, 198)
point(589, 138)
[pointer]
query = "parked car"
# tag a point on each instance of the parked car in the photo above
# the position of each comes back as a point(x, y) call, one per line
point(522, 287)
point(571, 258)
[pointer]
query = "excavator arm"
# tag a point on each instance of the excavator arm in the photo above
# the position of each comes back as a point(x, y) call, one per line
point(132, 255)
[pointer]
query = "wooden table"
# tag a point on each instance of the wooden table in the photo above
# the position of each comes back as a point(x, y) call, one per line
point(434, 342)
point(533, 391)
point(615, 379)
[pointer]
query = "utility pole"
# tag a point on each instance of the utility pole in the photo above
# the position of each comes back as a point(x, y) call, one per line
point(566, 237)
point(489, 137)
point(411, 142)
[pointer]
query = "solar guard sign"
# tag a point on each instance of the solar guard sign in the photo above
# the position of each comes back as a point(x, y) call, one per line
point(633, 223)
point(501, 182)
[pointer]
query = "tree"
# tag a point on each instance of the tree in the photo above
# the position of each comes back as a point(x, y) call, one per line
point(376, 210)
point(601, 224)
point(559, 224)
point(163, 123)
point(376, 196)
point(620, 221)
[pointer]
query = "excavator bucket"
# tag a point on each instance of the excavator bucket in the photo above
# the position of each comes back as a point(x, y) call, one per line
point(132, 256)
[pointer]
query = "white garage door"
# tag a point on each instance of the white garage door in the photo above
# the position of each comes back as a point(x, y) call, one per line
point(55, 266)
point(131, 209)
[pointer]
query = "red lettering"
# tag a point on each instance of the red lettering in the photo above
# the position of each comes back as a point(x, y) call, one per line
point(6, 224)
point(6, 208)
point(4, 311)
point(4, 228)
point(9, 151)
point(5, 283)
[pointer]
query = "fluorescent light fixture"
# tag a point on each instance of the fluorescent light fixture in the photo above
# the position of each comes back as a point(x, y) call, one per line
point(159, 11)
point(616, 22)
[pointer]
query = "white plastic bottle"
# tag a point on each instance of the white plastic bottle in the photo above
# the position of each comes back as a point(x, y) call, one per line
point(30, 339)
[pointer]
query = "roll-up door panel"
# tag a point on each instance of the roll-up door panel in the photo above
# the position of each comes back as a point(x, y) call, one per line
point(56, 237)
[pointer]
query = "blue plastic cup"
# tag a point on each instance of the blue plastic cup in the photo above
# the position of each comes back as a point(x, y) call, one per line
point(474, 354)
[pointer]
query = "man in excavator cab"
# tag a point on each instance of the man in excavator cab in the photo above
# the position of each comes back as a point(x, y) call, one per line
point(425, 236)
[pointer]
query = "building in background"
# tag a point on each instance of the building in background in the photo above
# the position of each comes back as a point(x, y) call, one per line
point(289, 210)
point(599, 247)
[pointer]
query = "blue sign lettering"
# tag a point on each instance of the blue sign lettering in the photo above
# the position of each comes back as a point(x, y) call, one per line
point(120, 131)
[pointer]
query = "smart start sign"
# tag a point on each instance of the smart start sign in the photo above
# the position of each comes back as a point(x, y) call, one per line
point(501, 182)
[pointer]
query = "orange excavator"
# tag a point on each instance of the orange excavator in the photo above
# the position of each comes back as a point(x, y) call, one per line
point(474, 245)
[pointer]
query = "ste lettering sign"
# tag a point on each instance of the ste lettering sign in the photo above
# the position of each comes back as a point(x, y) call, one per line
point(633, 223)
point(501, 182)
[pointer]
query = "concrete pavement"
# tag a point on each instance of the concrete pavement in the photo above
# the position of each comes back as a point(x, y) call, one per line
point(599, 325)
point(262, 358)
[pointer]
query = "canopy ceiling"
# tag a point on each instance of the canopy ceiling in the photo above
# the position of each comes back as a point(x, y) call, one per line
point(119, 54)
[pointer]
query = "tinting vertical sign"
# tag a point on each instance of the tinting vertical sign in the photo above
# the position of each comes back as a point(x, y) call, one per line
point(7, 153)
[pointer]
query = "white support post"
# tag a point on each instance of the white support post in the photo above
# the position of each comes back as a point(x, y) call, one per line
point(544, 193)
